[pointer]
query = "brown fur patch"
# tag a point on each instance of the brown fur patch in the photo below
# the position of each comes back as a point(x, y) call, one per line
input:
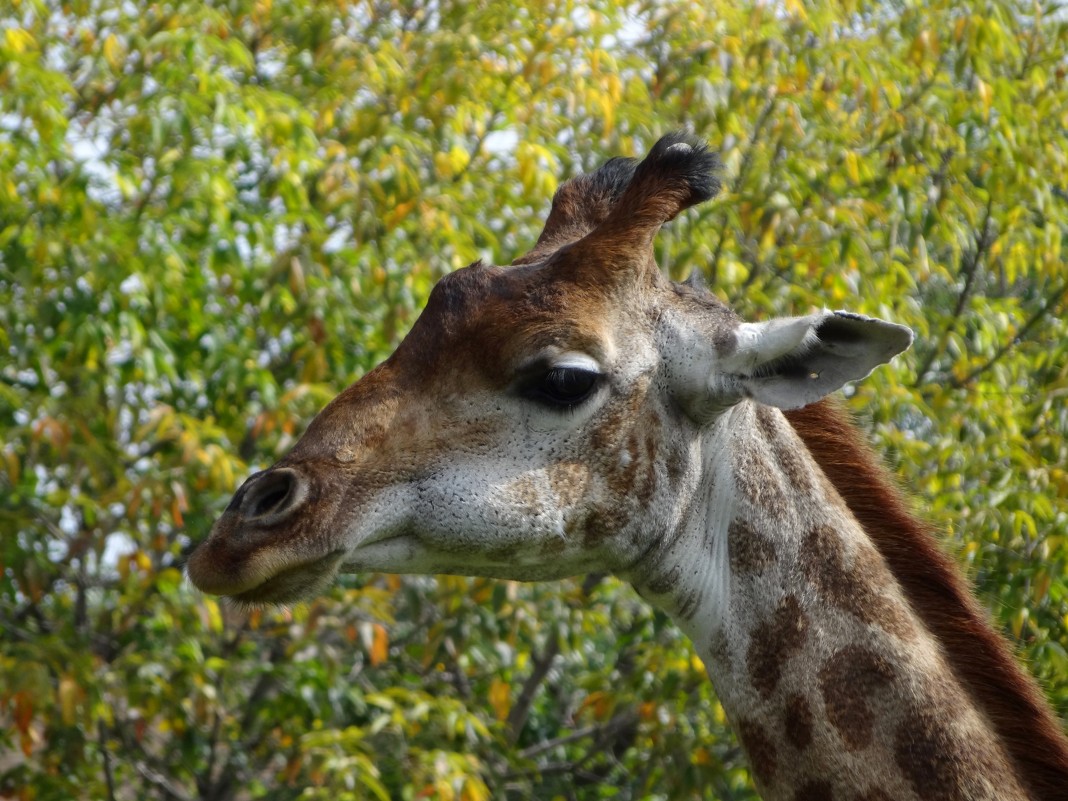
point(628, 449)
point(874, 795)
point(935, 762)
point(763, 757)
point(795, 468)
point(798, 722)
point(676, 464)
point(719, 649)
point(773, 642)
point(666, 581)
point(749, 551)
point(848, 681)
point(932, 583)
point(855, 590)
point(814, 790)
point(599, 524)
point(758, 481)
point(652, 444)
point(568, 481)
point(525, 493)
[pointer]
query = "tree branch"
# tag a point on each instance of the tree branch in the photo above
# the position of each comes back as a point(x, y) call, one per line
point(109, 779)
point(169, 788)
point(969, 269)
point(459, 678)
point(743, 171)
point(517, 717)
point(1047, 307)
point(597, 730)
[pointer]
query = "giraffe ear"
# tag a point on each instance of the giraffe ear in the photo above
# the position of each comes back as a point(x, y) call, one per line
point(794, 361)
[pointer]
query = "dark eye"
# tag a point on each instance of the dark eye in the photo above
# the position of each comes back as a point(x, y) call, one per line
point(564, 387)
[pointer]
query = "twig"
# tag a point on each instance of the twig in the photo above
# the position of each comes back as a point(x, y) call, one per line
point(969, 269)
point(743, 170)
point(204, 779)
point(597, 729)
point(459, 678)
point(606, 739)
point(1033, 320)
point(517, 717)
point(109, 779)
point(171, 789)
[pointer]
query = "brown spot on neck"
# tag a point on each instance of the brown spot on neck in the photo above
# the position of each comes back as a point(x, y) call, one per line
point(798, 722)
point(760, 749)
point(853, 589)
point(874, 794)
point(849, 681)
point(789, 457)
point(749, 550)
point(773, 643)
point(933, 585)
point(759, 482)
point(940, 765)
point(814, 790)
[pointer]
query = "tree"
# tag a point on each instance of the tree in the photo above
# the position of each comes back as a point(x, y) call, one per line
point(213, 218)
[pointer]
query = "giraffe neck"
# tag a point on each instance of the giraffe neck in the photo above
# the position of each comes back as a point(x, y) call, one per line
point(833, 684)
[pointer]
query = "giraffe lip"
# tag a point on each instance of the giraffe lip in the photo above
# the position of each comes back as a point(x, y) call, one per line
point(294, 583)
point(357, 560)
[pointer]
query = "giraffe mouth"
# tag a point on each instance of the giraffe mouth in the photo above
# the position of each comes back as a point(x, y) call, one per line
point(294, 583)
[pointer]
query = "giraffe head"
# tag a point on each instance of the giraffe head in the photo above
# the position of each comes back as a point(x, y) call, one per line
point(540, 420)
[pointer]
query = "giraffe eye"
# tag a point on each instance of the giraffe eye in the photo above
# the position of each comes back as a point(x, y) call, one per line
point(562, 387)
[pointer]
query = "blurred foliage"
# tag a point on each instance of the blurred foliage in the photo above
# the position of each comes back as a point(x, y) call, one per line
point(215, 216)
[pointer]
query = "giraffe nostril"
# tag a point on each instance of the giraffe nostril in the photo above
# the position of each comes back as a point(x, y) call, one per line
point(274, 496)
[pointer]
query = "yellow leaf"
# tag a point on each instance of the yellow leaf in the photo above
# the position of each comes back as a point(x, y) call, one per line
point(400, 211)
point(474, 790)
point(69, 693)
point(852, 166)
point(176, 513)
point(986, 95)
point(458, 159)
point(924, 45)
point(1018, 622)
point(215, 621)
point(113, 52)
point(326, 119)
point(379, 644)
point(500, 698)
point(1041, 586)
point(19, 39)
point(11, 462)
point(958, 30)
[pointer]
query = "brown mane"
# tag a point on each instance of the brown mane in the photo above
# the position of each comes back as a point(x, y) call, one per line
point(980, 657)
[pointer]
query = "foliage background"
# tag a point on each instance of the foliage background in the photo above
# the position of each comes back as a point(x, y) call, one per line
point(215, 216)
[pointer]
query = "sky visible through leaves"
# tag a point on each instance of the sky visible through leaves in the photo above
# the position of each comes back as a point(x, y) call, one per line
point(215, 216)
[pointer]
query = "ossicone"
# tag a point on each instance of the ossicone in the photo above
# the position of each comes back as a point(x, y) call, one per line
point(678, 172)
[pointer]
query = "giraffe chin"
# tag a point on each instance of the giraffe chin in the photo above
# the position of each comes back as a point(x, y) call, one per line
point(293, 584)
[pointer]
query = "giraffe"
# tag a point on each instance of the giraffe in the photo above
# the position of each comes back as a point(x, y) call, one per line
point(576, 412)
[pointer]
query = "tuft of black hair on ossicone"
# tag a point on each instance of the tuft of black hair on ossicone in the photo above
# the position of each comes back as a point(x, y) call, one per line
point(611, 178)
point(686, 157)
